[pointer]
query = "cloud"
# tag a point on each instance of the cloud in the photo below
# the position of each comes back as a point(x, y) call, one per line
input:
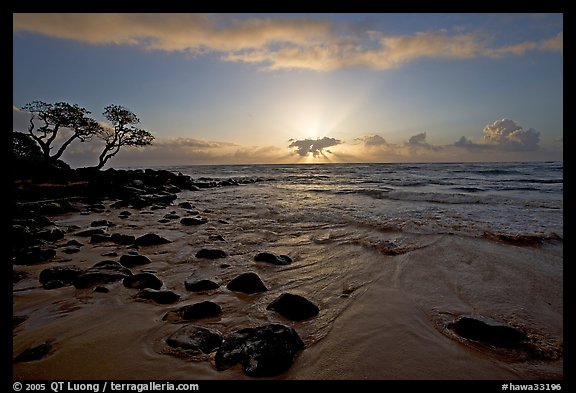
point(419, 141)
point(373, 140)
point(509, 135)
point(316, 147)
point(273, 43)
point(506, 135)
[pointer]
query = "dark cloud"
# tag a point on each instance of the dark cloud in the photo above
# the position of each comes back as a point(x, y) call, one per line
point(468, 144)
point(373, 140)
point(419, 141)
point(316, 147)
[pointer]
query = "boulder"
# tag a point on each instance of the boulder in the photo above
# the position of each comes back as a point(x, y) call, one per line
point(90, 232)
point(210, 253)
point(294, 307)
point(101, 273)
point(160, 297)
point(487, 331)
point(171, 216)
point(131, 260)
point(125, 240)
point(50, 235)
point(34, 353)
point(74, 242)
point(143, 280)
point(205, 309)
point(198, 284)
point(274, 259)
point(185, 205)
point(54, 284)
point(102, 223)
point(151, 239)
point(65, 274)
point(100, 238)
point(193, 221)
point(248, 283)
point(34, 255)
point(266, 350)
point(195, 339)
point(71, 250)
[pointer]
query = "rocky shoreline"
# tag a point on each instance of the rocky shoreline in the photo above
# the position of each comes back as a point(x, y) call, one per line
point(262, 350)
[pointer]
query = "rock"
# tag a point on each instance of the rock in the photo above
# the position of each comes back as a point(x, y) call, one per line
point(194, 311)
point(223, 222)
point(274, 259)
point(143, 280)
point(54, 284)
point(51, 235)
point(294, 307)
point(196, 284)
point(74, 242)
point(160, 297)
point(65, 274)
point(210, 253)
point(132, 260)
point(34, 255)
point(100, 238)
point(18, 275)
point(151, 239)
point(119, 238)
point(163, 221)
point(90, 232)
point(110, 254)
point(247, 283)
point(186, 205)
point(193, 221)
point(17, 320)
point(171, 216)
point(225, 266)
point(195, 339)
point(262, 351)
point(125, 213)
point(101, 290)
point(102, 223)
point(71, 250)
point(218, 238)
point(101, 273)
point(487, 331)
point(34, 353)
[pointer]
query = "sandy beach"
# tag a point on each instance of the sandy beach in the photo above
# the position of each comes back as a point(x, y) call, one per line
point(386, 297)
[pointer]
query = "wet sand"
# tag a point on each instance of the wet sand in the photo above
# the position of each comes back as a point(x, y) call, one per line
point(385, 298)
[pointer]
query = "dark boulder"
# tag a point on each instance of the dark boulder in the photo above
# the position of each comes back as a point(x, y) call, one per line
point(160, 297)
point(102, 223)
point(71, 250)
point(100, 238)
point(125, 240)
point(171, 216)
point(185, 205)
point(54, 284)
point(294, 307)
point(487, 331)
point(274, 259)
point(50, 235)
point(195, 339)
point(34, 255)
point(266, 350)
point(210, 253)
point(131, 260)
point(247, 283)
point(143, 280)
point(198, 284)
point(101, 290)
point(101, 273)
point(66, 274)
point(151, 239)
point(17, 320)
point(34, 353)
point(215, 237)
point(90, 232)
point(193, 221)
point(194, 311)
point(74, 242)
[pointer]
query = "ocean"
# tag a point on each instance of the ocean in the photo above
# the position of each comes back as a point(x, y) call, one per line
point(463, 198)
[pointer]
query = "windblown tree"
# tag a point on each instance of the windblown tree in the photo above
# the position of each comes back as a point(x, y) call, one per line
point(53, 119)
point(121, 133)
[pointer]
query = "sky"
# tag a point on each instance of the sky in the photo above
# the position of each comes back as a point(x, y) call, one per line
point(303, 88)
